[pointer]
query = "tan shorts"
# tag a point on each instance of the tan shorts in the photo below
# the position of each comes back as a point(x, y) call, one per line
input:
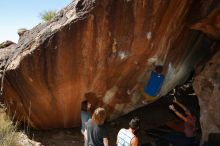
point(146, 96)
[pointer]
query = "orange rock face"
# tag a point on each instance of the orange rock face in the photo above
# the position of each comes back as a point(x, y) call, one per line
point(102, 55)
point(210, 25)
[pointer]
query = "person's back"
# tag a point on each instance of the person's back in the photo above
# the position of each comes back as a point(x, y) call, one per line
point(127, 137)
point(85, 114)
point(95, 134)
point(124, 137)
point(154, 84)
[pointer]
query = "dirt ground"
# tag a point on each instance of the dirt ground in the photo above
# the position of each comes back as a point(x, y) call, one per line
point(152, 116)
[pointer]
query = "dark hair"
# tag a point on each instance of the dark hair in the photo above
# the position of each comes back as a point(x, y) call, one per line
point(84, 105)
point(159, 69)
point(134, 123)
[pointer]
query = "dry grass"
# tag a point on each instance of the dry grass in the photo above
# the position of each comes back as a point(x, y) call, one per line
point(8, 135)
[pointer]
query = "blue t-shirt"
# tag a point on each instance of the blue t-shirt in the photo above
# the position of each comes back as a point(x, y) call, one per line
point(154, 84)
point(85, 116)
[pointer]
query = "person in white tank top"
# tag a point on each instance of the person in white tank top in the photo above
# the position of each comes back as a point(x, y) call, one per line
point(127, 137)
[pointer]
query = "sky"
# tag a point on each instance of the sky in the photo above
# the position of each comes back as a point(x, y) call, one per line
point(15, 14)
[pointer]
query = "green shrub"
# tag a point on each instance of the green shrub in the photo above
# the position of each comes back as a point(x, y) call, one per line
point(48, 15)
point(8, 135)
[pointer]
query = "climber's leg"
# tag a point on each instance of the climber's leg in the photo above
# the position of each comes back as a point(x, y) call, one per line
point(147, 98)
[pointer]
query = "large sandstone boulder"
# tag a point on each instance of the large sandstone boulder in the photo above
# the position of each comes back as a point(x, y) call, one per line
point(207, 80)
point(100, 49)
point(21, 31)
point(207, 88)
point(6, 44)
point(6, 48)
point(210, 25)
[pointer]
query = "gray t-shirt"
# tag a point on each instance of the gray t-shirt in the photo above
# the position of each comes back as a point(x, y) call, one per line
point(85, 116)
point(95, 134)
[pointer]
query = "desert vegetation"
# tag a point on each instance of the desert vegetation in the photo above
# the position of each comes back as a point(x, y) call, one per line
point(48, 15)
point(8, 134)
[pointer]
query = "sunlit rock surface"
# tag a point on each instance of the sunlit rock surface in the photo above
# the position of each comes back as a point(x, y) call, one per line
point(6, 48)
point(101, 49)
point(21, 31)
point(6, 44)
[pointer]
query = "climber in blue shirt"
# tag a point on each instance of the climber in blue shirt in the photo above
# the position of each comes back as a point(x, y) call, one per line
point(153, 86)
point(151, 90)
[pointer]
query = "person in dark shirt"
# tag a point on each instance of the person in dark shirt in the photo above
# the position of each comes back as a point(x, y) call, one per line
point(95, 131)
point(85, 115)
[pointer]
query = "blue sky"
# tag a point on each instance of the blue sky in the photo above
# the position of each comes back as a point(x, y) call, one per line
point(15, 14)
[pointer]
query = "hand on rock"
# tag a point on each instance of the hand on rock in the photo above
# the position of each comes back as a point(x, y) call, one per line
point(174, 99)
point(171, 107)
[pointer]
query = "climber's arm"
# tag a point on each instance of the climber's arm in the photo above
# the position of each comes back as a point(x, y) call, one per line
point(183, 107)
point(171, 107)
